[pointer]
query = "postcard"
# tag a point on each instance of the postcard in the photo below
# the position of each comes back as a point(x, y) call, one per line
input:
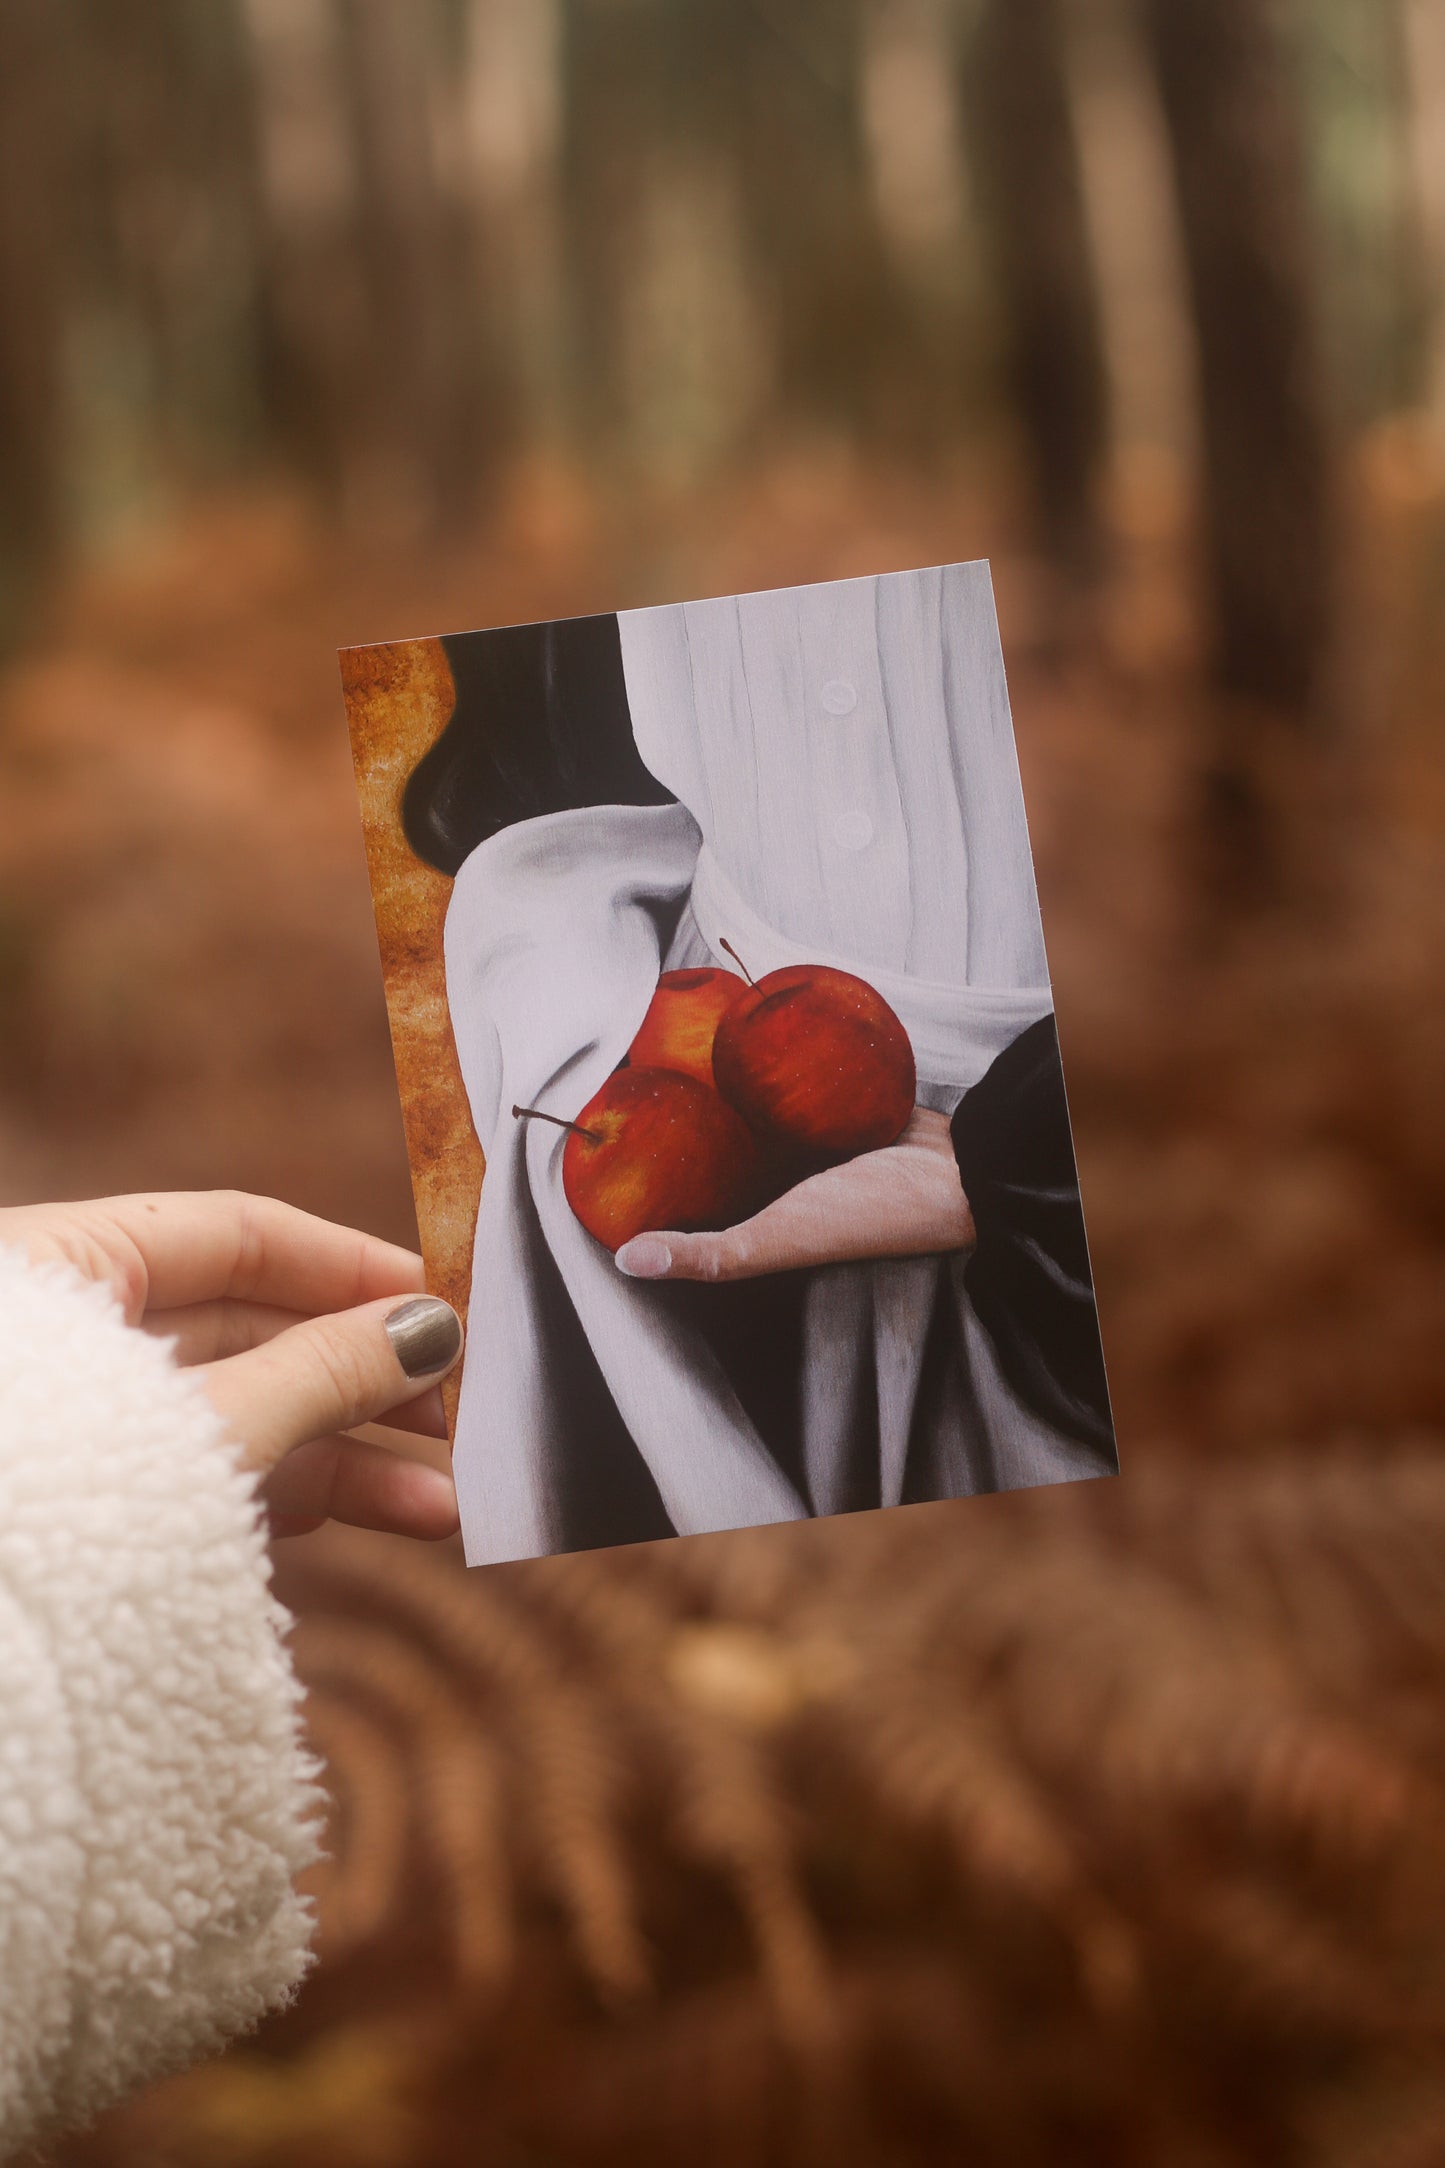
point(727, 1056)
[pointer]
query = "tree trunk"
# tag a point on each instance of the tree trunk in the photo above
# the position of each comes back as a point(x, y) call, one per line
point(422, 272)
point(614, 90)
point(1030, 193)
point(318, 376)
point(503, 105)
point(1233, 120)
point(716, 153)
point(34, 199)
point(843, 327)
point(672, 318)
point(1423, 27)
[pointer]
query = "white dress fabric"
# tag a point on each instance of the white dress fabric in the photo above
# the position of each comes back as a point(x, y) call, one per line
point(848, 792)
point(156, 1799)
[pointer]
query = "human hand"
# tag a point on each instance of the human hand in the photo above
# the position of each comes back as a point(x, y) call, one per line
point(903, 1201)
point(300, 1330)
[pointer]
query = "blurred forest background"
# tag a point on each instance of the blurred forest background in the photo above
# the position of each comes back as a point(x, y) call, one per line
point(1098, 1825)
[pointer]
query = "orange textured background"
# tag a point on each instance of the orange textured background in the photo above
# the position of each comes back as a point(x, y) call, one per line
point(399, 698)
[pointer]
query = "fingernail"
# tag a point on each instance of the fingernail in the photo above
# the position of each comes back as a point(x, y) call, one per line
point(426, 1334)
point(645, 1257)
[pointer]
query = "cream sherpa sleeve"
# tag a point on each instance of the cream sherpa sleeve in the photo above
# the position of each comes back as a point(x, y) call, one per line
point(156, 1801)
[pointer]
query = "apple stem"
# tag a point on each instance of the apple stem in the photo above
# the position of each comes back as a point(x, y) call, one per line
point(535, 1114)
point(724, 943)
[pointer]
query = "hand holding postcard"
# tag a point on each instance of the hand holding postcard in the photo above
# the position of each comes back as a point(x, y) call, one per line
point(710, 932)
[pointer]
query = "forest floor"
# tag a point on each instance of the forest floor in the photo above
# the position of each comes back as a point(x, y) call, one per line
point(1250, 1014)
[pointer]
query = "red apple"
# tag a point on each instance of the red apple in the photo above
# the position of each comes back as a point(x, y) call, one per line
point(816, 1061)
point(655, 1148)
point(682, 1018)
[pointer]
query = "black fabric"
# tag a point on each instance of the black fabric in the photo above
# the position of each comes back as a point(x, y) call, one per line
point(755, 1330)
point(541, 725)
point(1028, 1277)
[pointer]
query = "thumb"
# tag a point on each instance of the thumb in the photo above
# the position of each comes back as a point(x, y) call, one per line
point(728, 1255)
point(330, 1373)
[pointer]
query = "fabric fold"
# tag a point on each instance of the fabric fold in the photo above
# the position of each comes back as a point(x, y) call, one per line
point(957, 1032)
point(555, 939)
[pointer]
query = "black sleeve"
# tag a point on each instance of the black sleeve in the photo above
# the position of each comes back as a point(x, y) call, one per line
point(1028, 1277)
point(541, 725)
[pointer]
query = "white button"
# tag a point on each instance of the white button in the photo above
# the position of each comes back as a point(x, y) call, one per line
point(854, 831)
point(838, 697)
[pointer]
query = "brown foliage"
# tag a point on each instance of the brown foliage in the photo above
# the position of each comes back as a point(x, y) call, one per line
point(1103, 1821)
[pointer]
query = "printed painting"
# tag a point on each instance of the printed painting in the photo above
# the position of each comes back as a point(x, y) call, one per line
point(728, 1061)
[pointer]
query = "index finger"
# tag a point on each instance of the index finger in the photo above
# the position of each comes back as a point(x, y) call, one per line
point(208, 1245)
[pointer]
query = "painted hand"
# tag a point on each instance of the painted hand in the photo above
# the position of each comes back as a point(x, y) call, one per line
point(904, 1201)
